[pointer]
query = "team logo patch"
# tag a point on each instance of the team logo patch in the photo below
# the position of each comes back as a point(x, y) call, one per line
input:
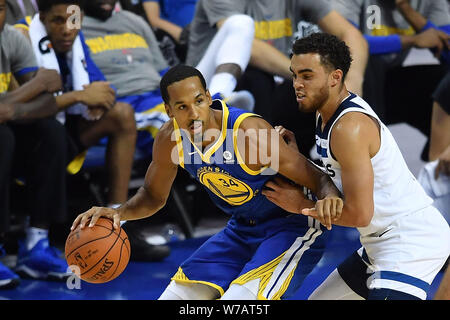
point(226, 187)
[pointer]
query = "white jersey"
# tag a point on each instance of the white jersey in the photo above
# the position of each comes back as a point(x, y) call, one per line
point(396, 190)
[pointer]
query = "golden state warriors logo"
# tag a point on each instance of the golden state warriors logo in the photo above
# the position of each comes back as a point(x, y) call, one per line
point(226, 187)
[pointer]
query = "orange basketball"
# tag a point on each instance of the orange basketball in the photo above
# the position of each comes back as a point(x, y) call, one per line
point(98, 254)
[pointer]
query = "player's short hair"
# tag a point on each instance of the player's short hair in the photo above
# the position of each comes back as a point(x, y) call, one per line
point(46, 5)
point(334, 53)
point(178, 73)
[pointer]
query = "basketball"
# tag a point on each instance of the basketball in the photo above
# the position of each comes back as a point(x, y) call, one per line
point(98, 254)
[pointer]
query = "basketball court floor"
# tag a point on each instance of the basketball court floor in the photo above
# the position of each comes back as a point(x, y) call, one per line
point(146, 281)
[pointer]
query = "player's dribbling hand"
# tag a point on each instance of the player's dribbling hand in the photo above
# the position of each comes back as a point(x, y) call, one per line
point(94, 214)
point(326, 210)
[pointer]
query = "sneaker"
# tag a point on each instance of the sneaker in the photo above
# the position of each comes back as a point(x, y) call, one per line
point(242, 99)
point(41, 262)
point(8, 279)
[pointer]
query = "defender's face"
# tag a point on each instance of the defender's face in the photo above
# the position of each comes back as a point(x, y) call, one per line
point(310, 81)
point(62, 34)
point(190, 105)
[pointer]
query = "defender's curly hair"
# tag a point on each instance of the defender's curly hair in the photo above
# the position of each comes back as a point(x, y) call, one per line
point(334, 53)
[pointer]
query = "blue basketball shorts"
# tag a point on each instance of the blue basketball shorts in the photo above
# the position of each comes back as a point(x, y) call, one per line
point(277, 254)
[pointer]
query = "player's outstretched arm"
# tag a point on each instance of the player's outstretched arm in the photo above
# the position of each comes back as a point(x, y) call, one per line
point(152, 196)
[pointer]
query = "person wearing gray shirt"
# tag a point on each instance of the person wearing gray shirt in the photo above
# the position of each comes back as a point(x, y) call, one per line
point(275, 27)
point(19, 9)
point(275, 24)
point(126, 51)
point(15, 57)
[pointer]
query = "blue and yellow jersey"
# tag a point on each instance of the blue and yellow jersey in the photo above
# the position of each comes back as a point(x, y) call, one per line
point(233, 187)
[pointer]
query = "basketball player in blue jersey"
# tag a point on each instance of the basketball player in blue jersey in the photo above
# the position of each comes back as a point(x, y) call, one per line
point(405, 240)
point(264, 252)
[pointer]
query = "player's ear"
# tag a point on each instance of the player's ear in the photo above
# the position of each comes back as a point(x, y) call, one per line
point(208, 96)
point(168, 110)
point(336, 77)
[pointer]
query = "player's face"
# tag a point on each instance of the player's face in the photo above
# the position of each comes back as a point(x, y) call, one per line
point(189, 105)
point(2, 14)
point(61, 31)
point(310, 81)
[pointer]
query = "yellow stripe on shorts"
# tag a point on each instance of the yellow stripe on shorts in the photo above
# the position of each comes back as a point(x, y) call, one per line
point(263, 273)
point(181, 277)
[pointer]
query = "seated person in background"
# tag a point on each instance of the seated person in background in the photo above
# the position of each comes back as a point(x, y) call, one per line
point(170, 20)
point(90, 111)
point(435, 176)
point(19, 9)
point(223, 65)
point(32, 146)
point(392, 29)
point(125, 49)
point(274, 27)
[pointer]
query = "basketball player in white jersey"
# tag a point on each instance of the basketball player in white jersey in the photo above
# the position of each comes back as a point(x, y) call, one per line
point(405, 240)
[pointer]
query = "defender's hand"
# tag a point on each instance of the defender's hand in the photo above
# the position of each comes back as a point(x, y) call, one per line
point(326, 210)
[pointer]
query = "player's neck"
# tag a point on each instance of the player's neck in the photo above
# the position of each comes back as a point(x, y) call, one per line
point(332, 104)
